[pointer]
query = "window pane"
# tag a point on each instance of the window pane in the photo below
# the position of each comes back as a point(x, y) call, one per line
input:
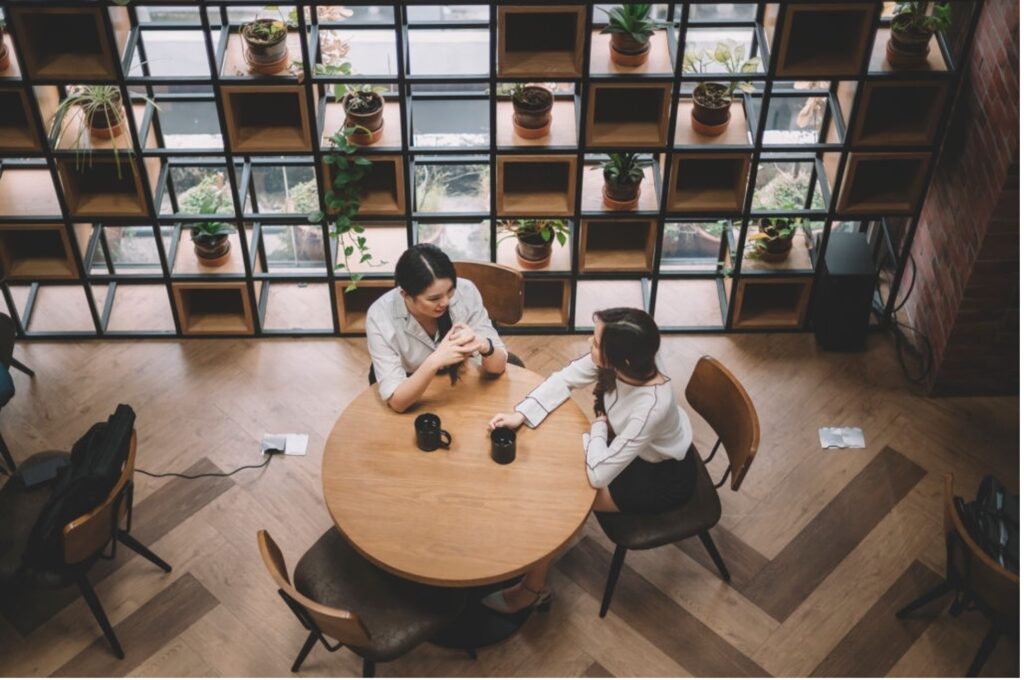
point(453, 188)
point(692, 246)
point(459, 241)
point(447, 13)
point(703, 42)
point(724, 11)
point(173, 53)
point(372, 52)
point(283, 189)
point(169, 14)
point(189, 125)
point(298, 248)
point(458, 52)
point(784, 186)
point(196, 187)
point(133, 249)
point(450, 123)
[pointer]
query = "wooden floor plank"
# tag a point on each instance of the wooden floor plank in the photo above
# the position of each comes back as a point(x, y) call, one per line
point(743, 562)
point(879, 639)
point(596, 670)
point(145, 632)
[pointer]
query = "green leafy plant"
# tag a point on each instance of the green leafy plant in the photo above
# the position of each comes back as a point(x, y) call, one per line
point(545, 229)
point(633, 20)
point(207, 198)
point(363, 98)
point(913, 17)
point(265, 31)
point(624, 168)
point(86, 103)
point(771, 230)
point(730, 55)
point(342, 201)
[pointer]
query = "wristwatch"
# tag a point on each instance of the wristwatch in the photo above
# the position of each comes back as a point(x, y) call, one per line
point(490, 350)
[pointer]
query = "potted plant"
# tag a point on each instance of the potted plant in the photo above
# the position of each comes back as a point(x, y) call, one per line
point(364, 114)
point(266, 44)
point(911, 31)
point(712, 101)
point(631, 28)
point(774, 238)
point(5, 57)
point(531, 110)
point(535, 238)
point(623, 173)
point(342, 202)
point(210, 238)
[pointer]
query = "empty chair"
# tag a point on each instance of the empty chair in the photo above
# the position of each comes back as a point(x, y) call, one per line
point(338, 594)
point(501, 288)
point(84, 540)
point(718, 397)
point(975, 579)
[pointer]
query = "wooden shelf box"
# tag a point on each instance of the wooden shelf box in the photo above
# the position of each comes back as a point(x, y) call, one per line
point(899, 113)
point(628, 114)
point(69, 43)
point(382, 190)
point(882, 183)
point(541, 41)
point(34, 251)
point(617, 245)
point(822, 40)
point(17, 133)
point(214, 308)
point(352, 307)
point(546, 303)
point(267, 118)
point(771, 303)
point(95, 188)
point(708, 183)
point(543, 186)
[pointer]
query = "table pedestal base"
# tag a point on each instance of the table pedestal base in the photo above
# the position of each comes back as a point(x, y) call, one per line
point(479, 626)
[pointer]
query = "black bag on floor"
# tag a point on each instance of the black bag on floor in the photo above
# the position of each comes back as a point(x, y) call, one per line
point(95, 465)
point(993, 521)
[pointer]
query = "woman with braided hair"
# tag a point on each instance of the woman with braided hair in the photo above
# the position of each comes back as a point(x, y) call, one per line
point(637, 452)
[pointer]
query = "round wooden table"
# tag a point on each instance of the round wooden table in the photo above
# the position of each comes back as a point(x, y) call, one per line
point(455, 517)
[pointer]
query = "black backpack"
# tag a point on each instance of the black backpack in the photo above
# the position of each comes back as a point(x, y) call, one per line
point(95, 466)
point(993, 521)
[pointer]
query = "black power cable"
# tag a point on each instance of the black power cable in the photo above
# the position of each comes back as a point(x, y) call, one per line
point(925, 357)
point(270, 453)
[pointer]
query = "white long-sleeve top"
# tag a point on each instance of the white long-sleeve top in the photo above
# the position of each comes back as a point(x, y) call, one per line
point(646, 419)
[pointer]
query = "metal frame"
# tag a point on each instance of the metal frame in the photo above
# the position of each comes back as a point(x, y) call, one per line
point(215, 17)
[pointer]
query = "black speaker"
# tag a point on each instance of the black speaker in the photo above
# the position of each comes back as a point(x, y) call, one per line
point(842, 302)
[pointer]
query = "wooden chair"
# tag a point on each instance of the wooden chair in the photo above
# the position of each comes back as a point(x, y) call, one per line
point(7, 362)
point(720, 399)
point(502, 290)
point(975, 579)
point(332, 580)
point(84, 539)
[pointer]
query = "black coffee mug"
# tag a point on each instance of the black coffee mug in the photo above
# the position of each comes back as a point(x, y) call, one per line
point(429, 435)
point(503, 445)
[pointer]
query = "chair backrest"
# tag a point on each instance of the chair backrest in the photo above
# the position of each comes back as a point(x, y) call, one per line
point(720, 399)
point(87, 534)
point(996, 586)
point(7, 333)
point(345, 627)
point(501, 288)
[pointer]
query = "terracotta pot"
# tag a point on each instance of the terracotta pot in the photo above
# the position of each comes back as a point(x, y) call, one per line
point(907, 49)
point(709, 120)
point(533, 251)
point(212, 251)
point(621, 196)
point(533, 120)
point(775, 249)
point(107, 123)
point(370, 120)
point(265, 57)
point(628, 52)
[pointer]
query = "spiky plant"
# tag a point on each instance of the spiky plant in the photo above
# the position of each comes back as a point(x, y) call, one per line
point(624, 168)
point(633, 20)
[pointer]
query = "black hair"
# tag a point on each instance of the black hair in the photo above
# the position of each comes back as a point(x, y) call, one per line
point(629, 344)
point(420, 266)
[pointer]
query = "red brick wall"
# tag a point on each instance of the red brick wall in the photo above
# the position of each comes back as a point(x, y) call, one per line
point(967, 295)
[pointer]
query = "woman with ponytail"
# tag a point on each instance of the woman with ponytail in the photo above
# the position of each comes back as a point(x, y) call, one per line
point(432, 322)
point(637, 452)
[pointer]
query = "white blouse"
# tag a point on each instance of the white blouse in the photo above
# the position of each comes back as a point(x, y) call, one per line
point(399, 345)
point(646, 419)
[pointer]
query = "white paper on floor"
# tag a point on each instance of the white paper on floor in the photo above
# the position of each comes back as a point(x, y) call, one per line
point(291, 444)
point(841, 437)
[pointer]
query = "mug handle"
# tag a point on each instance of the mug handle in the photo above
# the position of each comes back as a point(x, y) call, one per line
point(445, 443)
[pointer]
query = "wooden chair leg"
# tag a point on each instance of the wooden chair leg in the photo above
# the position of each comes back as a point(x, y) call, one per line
point(130, 541)
point(709, 545)
point(307, 646)
point(101, 617)
point(933, 594)
point(369, 668)
point(613, 577)
point(987, 645)
point(6, 454)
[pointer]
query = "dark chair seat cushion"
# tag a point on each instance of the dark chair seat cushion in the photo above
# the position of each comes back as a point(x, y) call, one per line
point(399, 614)
point(640, 532)
point(19, 509)
point(6, 385)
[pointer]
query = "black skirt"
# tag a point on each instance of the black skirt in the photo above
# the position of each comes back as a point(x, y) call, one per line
point(644, 487)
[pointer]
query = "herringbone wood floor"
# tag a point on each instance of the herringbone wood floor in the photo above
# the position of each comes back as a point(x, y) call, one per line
point(824, 546)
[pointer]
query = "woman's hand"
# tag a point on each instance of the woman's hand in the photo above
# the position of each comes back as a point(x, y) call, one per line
point(465, 336)
point(451, 350)
point(601, 418)
point(509, 420)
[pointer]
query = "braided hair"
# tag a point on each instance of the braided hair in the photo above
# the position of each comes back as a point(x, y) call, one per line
point(629, 344)
point(416, 269)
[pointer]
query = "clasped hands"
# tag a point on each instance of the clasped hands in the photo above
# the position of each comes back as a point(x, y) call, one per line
point(458, 345)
